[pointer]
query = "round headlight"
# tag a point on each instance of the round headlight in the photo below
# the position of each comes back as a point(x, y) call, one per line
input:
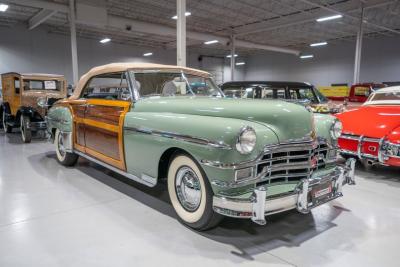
point(336, 130)
point(41, 102)
point(246, 140)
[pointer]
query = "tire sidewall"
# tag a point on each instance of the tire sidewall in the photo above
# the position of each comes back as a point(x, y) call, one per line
point(203, 216)
point(60, 157)
point(25, 132)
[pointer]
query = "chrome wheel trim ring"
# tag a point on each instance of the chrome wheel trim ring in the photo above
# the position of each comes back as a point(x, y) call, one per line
point(60, 145)
point(188, 188)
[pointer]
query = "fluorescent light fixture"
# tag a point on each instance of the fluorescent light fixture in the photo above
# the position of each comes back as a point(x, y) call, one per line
point(105, 40)
point(3, 7)
point(306, 56)
point(329, 18)
point(240, 63)
point(229, 56)
point(319, 44)
point(187, 13)
point(147, 54)
point(211, 42)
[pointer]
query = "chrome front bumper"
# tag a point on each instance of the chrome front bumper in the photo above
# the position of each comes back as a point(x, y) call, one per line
point(259, 205)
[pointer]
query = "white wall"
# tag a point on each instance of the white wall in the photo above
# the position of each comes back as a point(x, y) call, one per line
point(39, 51)
point(331, 64)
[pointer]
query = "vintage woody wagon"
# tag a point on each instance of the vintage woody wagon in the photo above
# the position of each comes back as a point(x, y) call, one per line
point(220, 156)
point(371, 132)
point(26, 99)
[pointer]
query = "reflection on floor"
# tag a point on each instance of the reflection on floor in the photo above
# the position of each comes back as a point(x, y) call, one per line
point(88, 216)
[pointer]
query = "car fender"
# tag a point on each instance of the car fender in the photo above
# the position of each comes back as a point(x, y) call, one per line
point(59, 117)
point(148, 135)
point(323, 125)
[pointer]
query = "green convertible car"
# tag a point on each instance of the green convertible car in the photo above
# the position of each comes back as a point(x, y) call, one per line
point(233, 157)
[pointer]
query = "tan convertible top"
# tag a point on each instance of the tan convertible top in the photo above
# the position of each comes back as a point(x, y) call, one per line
point(119, 67)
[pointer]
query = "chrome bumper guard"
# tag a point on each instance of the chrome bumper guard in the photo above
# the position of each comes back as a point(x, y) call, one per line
point(258, 206)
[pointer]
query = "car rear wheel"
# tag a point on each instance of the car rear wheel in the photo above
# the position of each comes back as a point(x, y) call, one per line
point(64, 157)
point(7, 128)
point(26, 133)
point(191, 194)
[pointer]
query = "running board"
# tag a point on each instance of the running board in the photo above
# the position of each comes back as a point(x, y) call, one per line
point(147, 180)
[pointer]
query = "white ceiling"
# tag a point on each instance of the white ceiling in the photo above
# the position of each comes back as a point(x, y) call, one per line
point(282, 23)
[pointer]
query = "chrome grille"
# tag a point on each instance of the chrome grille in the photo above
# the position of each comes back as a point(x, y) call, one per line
point(290, 163)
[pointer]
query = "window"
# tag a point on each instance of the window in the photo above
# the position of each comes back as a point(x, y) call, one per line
point(174, 84)
point(110, 86)
point(303, 94)
point(42, 85)
point(361, 91)
point(16, 85)
point(387, 96)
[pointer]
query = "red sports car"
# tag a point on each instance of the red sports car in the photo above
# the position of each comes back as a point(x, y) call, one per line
point(372, 131)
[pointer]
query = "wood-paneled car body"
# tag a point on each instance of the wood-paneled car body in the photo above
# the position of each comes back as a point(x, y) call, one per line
point(371, 132)
point(299, 92)
point(26, 99)
point(238, 158)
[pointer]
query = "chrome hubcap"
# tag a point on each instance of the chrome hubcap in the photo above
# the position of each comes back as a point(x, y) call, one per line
point(61, 147)
point(188, 188)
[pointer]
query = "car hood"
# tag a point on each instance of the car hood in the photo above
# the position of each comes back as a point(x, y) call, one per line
point(371, 121)
point(288, 121)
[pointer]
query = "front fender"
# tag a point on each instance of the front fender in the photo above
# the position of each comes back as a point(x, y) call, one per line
point(59, 117)
point(148, 135)
point(323, 124)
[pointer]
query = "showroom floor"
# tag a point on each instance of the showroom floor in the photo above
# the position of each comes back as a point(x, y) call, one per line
point(86, 216)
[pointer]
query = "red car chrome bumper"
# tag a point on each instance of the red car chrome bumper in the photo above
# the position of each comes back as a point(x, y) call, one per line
point(376, 150)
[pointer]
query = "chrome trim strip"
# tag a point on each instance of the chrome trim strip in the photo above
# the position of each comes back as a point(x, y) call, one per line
point(181, 137)
point(148, 182)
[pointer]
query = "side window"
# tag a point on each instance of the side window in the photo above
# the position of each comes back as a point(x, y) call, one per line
point(17, 85)
point(268, 93)
point(109, 86)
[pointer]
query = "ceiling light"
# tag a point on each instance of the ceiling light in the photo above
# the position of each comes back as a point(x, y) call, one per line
point(187, 13)
point(147, 54)
point(229, 56)
point(306, 56)
point(105, 40)
point(3, 7)
point(211, 42)
point(329, 18)
point(319, 44)
point(240, 63)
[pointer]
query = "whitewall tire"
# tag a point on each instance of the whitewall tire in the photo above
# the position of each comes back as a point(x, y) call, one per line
point(64, 157)
point(26, 134)
point(191, 194)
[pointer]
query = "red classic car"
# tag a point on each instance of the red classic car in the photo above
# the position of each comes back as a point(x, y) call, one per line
point(372, 131)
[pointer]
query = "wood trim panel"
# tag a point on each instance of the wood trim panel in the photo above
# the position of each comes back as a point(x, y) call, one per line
point(103, 126)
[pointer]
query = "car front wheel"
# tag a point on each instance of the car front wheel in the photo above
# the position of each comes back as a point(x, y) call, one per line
point(191, 194)
point(64, 157)
point(26, 133)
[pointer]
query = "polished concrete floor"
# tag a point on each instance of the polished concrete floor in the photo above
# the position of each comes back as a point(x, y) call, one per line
point(51, 215)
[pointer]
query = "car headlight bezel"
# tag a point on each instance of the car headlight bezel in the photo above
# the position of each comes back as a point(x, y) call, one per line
point(246, 140)
point(392, 150)
point(336, 129)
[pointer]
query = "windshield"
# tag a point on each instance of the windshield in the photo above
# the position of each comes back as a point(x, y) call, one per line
point(174, 84)
point(383, 98)
point(42, 85)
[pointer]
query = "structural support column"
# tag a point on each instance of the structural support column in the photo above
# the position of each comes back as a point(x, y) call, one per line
point(357, 62)
point(181, 33)
point(74, 51)
point(233, 57)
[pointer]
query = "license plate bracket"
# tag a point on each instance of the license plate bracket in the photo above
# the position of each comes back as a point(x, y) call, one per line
point(321, 192)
